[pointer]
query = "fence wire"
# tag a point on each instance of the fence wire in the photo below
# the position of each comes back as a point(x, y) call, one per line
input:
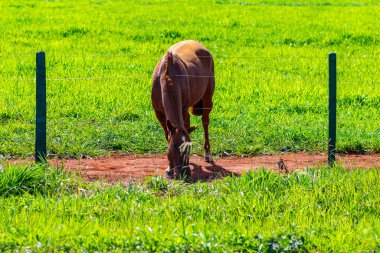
point(216, 56)
point(291, 125)
point(254, 78)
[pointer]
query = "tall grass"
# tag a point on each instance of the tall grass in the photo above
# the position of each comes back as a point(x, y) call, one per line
point(318, 210)
point(19, 179)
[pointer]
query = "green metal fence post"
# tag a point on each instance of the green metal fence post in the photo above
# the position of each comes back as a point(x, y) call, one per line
point(332, 109)
point(40, 144)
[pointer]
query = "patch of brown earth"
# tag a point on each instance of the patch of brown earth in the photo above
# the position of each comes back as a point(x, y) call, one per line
point(138, 167)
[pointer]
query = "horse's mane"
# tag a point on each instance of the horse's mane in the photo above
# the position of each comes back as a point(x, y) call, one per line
point(168, 63)
point(168, 58)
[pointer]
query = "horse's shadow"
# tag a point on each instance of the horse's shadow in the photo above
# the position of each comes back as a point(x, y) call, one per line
point(210, 172)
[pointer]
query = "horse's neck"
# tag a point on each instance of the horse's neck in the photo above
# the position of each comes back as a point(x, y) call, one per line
point(172, 101)
point(173, 87)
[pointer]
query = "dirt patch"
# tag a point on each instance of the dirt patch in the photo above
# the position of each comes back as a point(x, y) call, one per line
point(138, 167)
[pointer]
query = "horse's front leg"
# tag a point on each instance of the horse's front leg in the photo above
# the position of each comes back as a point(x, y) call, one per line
point(186, 118)
point(162, 119)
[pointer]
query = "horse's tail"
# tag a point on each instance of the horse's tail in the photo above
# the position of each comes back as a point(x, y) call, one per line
point(197, 108)
point(168, 63)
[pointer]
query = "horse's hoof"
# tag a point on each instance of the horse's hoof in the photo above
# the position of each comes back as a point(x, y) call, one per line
point(183, 174)
point(188, 173)
point(169, 174)
point(184, 177)
point(208, 159)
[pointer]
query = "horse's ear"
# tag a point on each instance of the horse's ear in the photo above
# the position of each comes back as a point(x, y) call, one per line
point(168, 65)
point(191, 129)
point(169, 54)
point(170, 127)
point(168, 59)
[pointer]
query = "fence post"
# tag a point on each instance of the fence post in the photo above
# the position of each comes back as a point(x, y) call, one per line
point(40, 144)
point(332, 109)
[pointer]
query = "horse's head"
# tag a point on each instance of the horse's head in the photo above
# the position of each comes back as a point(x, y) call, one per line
point(179, 149)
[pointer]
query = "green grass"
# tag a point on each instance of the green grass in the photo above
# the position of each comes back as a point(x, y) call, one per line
point(271, 73)
point(319, 210)
point(19, 179)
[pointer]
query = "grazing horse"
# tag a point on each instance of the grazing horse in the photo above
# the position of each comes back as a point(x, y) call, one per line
point(183, 79)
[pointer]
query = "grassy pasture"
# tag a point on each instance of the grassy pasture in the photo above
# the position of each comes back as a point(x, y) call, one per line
point(271, 96)
point(271, 73)
point(321, 210)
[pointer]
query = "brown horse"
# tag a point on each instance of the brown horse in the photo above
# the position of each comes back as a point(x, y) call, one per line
point(183, 79)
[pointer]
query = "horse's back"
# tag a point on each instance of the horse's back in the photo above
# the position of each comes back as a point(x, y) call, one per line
point(193, 54)
point(188, 48)
point(197, 68)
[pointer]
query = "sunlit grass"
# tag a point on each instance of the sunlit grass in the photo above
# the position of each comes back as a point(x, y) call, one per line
point(315, 210)
point(271, 73)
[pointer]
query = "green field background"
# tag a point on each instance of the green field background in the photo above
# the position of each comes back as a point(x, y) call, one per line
point(271, 67)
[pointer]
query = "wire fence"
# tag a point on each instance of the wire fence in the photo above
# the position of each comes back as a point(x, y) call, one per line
point(32, 55)
point(311, 81)
point(258, 68)
point(291, 120)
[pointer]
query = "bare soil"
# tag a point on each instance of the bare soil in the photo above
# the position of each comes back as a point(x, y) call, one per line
point(132, 168)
